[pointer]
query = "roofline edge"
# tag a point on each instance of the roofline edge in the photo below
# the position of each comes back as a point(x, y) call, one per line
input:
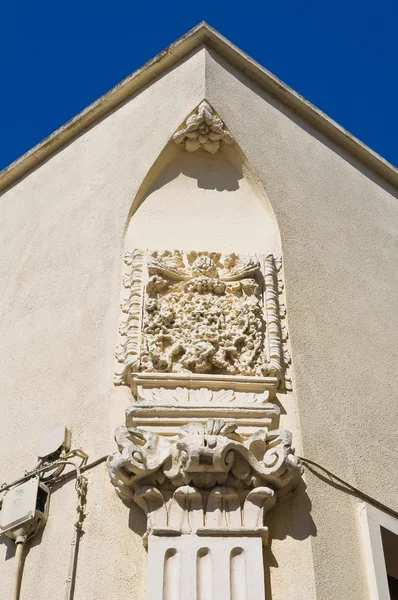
point(200, 34)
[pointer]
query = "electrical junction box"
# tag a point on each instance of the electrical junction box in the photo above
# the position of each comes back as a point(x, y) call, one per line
point(25, 504)
point(53, 442)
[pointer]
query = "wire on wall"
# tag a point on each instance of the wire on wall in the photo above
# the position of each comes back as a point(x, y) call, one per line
point(339, 483)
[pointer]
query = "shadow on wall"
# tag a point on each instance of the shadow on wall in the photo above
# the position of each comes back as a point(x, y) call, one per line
point(212, 172)
point(291, 517)
point(204, 202)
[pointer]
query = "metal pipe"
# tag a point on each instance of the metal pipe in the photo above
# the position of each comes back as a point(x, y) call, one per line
point(16, 583)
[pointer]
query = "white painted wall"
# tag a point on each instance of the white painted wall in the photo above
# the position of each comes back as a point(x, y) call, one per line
point(62, 232)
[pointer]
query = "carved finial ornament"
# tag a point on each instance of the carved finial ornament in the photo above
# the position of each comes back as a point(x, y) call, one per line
point(204, 130)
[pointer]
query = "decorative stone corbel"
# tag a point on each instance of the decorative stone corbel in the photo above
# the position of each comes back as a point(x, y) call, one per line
point(204, 456)
point(204, 129)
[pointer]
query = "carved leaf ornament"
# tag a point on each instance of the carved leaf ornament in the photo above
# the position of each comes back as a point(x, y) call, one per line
point(204, 130)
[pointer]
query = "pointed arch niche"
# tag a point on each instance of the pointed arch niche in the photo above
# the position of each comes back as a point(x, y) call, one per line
point(202, 201)
point(202, 218)
point(203, 351)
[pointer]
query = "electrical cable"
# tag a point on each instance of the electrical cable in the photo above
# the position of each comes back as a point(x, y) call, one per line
point(56, 467)
point(307, 463)
point(344, 486)
point(83, 469)
point(57, 464)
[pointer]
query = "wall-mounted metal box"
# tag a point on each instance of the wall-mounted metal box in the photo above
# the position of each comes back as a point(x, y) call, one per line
point(26, 503)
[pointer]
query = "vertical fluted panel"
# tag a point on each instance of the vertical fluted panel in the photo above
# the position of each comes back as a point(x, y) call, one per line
point(237, 574)
point(171, 575)
point(204, 575)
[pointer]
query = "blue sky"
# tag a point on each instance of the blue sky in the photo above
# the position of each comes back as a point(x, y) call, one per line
point(58, 57)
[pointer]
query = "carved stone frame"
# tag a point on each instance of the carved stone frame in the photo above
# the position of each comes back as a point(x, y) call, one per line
point(132, 305)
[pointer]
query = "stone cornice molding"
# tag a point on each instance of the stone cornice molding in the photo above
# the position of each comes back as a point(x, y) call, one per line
point(164, 402)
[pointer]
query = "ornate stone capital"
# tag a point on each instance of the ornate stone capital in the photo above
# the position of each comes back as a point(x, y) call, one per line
point(204, 456)
point(207, 481)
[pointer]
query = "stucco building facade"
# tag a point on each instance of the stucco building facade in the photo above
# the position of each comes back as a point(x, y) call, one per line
point(238, 251)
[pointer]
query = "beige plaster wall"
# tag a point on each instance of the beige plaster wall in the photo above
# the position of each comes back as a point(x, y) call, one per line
point(203, 202)
point(61, 239)
point(62, 234)
point(338, 225)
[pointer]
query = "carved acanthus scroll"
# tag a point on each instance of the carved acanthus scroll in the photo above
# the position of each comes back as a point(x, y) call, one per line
point(204, 456)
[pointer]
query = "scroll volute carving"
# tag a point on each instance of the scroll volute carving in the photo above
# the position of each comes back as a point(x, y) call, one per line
point(204, 456)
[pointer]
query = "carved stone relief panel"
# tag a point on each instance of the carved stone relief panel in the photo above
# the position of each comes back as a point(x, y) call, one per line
point(202, 313)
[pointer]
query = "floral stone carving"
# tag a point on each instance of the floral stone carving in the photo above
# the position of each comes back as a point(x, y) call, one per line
point(203, 456)
point(203, 130)
point(202, 313)
point(204, 396)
